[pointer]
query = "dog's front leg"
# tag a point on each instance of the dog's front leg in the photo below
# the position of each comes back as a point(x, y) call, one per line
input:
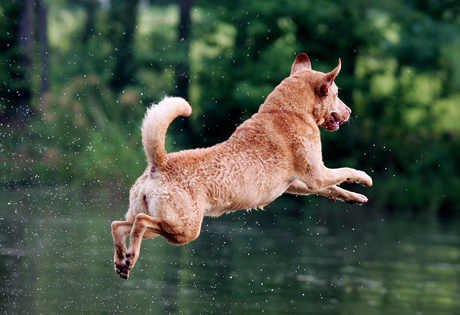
point(335, 192)
point(321, 177)
point(332, 192)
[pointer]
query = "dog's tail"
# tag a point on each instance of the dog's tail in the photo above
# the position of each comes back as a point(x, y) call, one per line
point(155, 124)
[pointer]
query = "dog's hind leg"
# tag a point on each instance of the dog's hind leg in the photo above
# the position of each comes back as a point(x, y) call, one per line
point(120, 231)
point(332, 192)
point(145, 226)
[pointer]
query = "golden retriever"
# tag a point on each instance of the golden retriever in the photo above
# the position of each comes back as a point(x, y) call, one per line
point(277, 150)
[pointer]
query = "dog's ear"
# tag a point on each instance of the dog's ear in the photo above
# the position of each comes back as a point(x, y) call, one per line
point(301, 62)
point(325, 83)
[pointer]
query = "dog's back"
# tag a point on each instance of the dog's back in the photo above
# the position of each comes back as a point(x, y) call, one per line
point(240, 173)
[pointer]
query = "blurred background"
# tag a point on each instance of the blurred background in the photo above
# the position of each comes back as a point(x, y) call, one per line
point(77, 76)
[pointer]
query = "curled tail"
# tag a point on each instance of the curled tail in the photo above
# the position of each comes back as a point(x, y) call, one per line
point(155, 124)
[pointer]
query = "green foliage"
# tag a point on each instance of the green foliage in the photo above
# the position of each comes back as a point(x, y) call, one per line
point(84, 136)
point(400, 75)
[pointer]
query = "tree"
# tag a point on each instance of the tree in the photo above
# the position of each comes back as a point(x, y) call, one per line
point(267, 37)
point(123, 17)
point(16, 42)
point(187, 138)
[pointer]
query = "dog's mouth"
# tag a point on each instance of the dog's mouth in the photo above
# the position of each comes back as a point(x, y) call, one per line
point(333, 123)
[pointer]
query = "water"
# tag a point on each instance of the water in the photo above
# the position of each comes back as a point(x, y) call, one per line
point(56, 258)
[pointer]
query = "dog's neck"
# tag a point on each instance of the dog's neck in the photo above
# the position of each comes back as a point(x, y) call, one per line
point(296, 98)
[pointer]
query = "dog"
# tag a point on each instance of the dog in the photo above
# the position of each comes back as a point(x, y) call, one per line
point(277, 150)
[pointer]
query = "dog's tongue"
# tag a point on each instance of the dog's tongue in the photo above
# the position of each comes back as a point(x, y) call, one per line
point(334, 120)
point(333, 123)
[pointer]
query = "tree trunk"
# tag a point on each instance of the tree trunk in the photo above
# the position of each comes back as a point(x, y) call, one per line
point(186, 138)
point(43, 47)
point(91, 9)
point(183, 67)
point(26, 34)
point(25, 43)
point(123, 13)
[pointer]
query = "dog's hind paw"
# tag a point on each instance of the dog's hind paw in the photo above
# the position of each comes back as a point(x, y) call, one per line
point(123, 267)
point(122, 270)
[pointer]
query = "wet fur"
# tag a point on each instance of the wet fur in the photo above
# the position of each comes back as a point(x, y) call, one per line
point(277, 150)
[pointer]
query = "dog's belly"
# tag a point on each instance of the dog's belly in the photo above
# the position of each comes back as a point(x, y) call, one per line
point(247, 198)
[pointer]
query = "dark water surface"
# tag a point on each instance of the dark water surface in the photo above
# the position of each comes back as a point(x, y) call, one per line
point(56, 258)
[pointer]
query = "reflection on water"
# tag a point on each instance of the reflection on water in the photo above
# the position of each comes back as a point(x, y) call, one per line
point(56, 258)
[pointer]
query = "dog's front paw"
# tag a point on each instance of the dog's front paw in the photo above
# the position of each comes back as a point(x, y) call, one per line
point(368, 180)
point(355, 198)
point(362, 178)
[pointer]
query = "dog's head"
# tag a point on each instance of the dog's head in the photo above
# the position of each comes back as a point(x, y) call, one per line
point(328, 110)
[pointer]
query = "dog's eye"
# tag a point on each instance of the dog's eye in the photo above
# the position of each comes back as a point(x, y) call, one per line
point(145, 199)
